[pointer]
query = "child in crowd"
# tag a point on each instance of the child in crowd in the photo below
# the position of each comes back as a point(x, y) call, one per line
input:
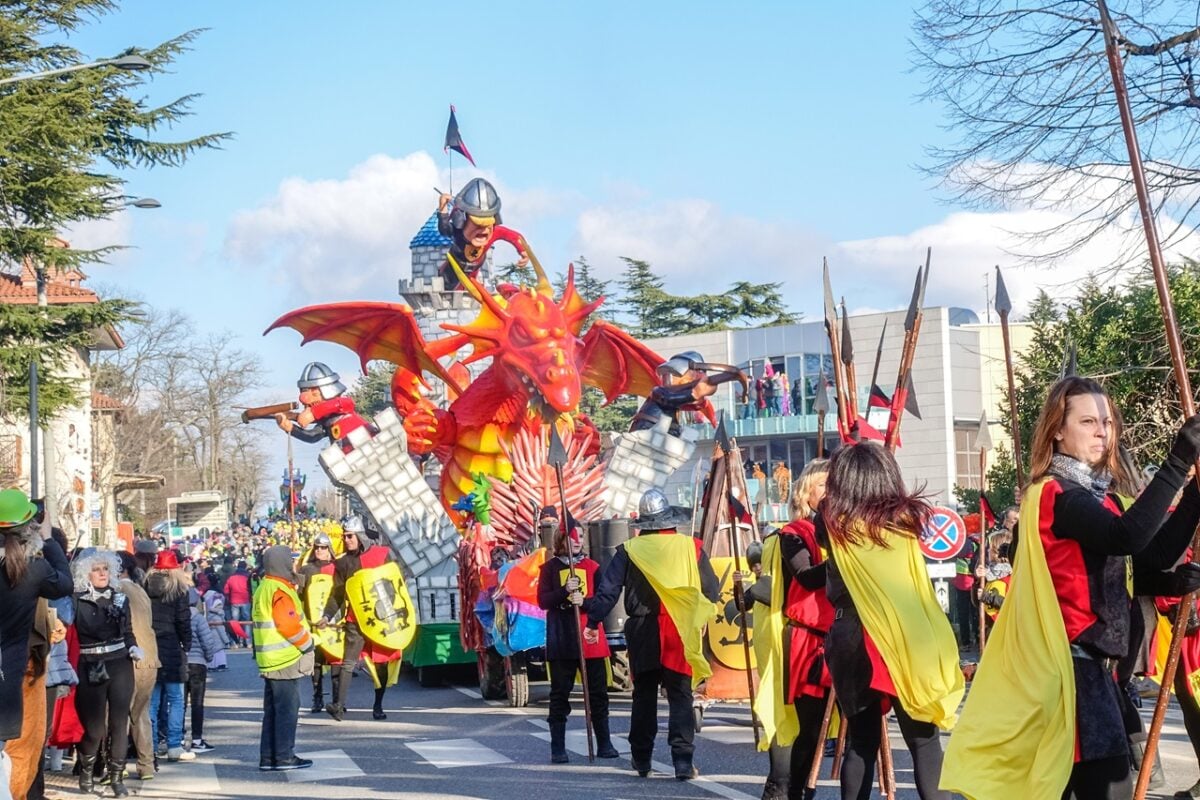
point(205, 646)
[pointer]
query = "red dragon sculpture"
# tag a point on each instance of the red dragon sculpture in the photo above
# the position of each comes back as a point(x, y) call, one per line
point(540, 363)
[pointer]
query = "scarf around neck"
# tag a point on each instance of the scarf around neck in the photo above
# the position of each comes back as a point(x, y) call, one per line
point(1095, 481)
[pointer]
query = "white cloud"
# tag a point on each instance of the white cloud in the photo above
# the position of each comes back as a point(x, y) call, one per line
point(347, 238)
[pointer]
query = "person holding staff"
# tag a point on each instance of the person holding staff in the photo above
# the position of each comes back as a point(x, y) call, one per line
point(1049, 667)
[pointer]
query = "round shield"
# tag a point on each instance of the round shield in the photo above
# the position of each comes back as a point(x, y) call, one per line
point(332, 638)
point(382, 606)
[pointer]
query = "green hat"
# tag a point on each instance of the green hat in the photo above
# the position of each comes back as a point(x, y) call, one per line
point(15, 508)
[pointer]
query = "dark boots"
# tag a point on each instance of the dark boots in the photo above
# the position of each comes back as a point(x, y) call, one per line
point(87, 778)
point(604, 745)
point(377, 709)
point(116, 779)
point(558, 743)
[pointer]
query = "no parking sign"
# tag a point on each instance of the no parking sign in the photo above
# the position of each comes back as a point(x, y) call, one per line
point(944, 535)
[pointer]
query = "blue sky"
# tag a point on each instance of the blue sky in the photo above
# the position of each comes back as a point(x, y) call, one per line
point(715, 140)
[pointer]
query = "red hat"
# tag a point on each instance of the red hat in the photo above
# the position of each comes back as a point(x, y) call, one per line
point(167, 560)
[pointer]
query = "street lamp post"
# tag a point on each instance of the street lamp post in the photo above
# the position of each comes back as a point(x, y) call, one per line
point(130, 63)
point(43, 300)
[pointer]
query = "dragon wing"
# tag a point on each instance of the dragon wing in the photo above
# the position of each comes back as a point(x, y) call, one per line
point(617, 363)
point(386, 331)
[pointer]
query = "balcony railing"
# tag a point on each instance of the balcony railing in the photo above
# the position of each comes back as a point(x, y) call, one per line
point(768, 426)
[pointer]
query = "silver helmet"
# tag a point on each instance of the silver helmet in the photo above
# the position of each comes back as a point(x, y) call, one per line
point(319, 376)
point(655, 512)
point(477, 199)
point(353, 524)
point(679, 365)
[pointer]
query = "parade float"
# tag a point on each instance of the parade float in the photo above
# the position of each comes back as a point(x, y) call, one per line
point(455, 473)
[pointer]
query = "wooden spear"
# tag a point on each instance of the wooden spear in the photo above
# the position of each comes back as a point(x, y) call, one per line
point(1003, 307)
point(730, 449)
point(1174, 343)
point(557, 457)
point(821, 406)
point(983, 441)
point(912, 329)
point(845, 413)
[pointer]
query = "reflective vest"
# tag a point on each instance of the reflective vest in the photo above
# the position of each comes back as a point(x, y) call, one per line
point(271, 650)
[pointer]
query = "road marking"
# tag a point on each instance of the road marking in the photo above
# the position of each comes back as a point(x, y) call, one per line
point(576, 742)
point(327, 765)
point(475, 695)
point(727, 734)
point(447, 753)
point(184, 779)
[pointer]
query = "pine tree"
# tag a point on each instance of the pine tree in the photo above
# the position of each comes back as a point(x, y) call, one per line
point(64, 141)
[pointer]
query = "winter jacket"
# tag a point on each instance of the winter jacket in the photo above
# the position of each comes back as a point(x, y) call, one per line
point(172, 621)
point(48, 577)
point(214, 606)
point(237, 588)
point(205, 644)
point(59, 671)
point(103, 626)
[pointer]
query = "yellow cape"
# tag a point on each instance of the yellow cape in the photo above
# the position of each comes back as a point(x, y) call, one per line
point(669, 563)
point(895, 601)
point(1016, 737)
point(778, 718)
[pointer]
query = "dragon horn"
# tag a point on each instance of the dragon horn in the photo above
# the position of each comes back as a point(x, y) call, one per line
point(475, 288)
point(543, 284)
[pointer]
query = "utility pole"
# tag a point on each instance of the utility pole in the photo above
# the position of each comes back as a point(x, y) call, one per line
point(987, 296)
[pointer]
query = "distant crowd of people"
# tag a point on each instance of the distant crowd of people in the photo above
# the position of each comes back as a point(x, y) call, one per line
point(103, 653)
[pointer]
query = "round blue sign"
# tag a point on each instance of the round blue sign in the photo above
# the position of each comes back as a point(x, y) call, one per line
point(945, 534)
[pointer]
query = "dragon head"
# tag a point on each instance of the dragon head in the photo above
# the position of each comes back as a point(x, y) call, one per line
point(531, 337)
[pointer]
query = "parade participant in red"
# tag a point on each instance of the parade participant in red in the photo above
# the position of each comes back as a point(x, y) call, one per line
point(789, 639)
point(1050, 663)
point(670, 591)
point(319, 563)
point(557, 592)
point(383, 664)
point(472, 221)
point(328, 409)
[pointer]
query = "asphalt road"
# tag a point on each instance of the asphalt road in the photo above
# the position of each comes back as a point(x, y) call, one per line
point(446, 742)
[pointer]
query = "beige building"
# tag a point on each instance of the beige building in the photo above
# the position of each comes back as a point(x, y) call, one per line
point(958, 373)
point(79, 463)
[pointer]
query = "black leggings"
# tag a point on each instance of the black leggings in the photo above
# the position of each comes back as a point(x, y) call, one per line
point(104, 708)
point(809, 711)
point(862, 749)
point(1100, 779)
point(197, 683)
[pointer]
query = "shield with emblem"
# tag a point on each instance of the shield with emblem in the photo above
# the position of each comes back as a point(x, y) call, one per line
point(382, 605)
point(725, 629)
point(331, 639)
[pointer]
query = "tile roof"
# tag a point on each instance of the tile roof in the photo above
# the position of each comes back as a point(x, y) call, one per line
point(429, 235)
point(22, 289)
point(102, 402)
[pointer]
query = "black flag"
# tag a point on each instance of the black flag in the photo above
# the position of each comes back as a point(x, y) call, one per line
point(454, 139)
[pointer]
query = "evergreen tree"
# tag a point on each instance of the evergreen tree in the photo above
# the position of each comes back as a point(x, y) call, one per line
point(373, 391)
point(64, 141)
point(642, 298)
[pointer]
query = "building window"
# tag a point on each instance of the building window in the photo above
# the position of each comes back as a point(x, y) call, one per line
point(966, 458)
point(813, 364)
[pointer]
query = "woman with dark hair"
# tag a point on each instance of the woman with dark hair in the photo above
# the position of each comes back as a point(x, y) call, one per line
point(890, 644)
point(1048, 671)
point(24, 578)
point(558, 593)
point(789, 640)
